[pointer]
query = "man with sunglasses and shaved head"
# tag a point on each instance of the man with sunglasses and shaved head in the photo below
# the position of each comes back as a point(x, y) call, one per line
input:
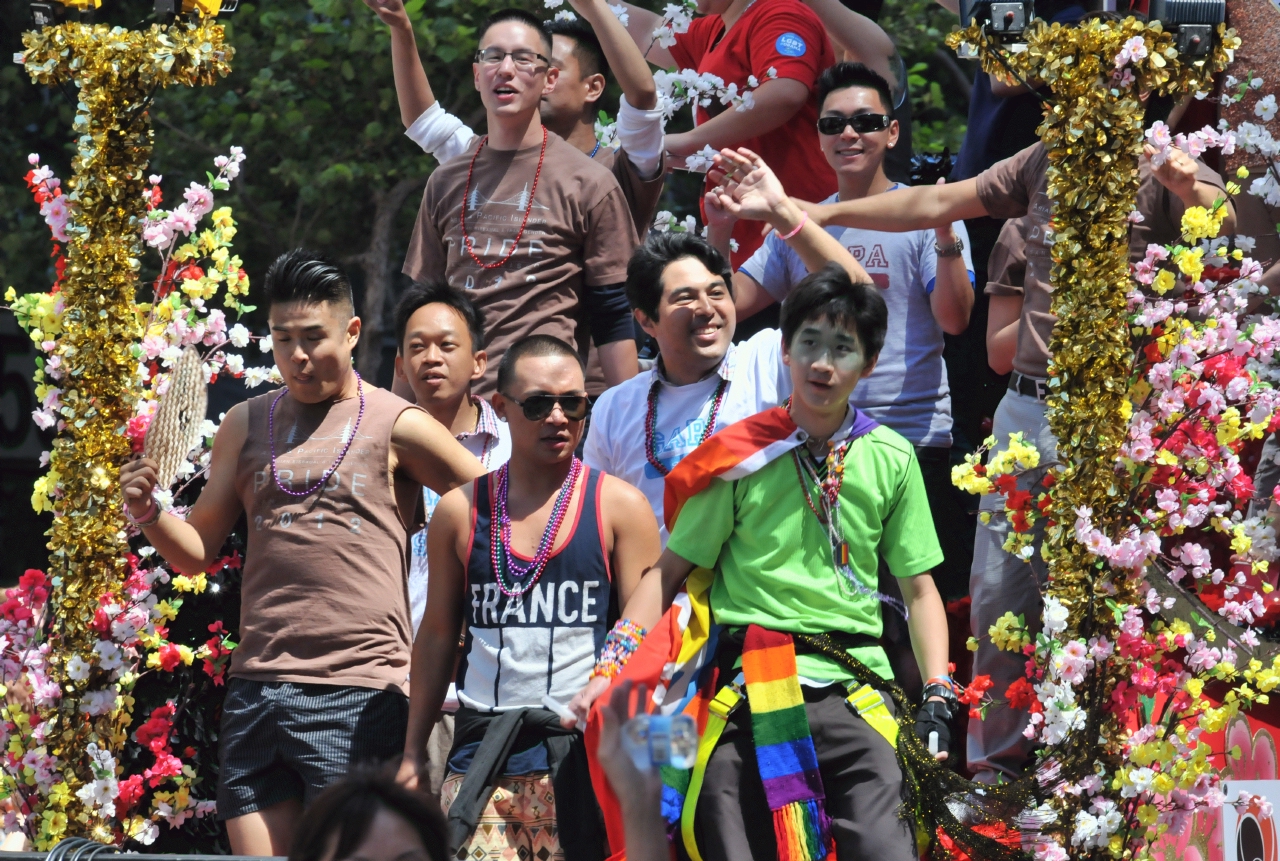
point(536, 557)
point(925, 278)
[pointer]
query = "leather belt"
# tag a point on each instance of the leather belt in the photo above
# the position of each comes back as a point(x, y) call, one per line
point(1032, 387)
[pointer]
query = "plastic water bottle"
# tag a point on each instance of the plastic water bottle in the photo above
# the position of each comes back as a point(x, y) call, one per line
point(658, 740)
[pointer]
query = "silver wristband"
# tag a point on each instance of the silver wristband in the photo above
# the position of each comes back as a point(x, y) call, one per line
point(952, 250)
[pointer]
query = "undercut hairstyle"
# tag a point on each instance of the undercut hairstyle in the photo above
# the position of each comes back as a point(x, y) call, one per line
point(842, 76)
point(347, 808)
point(430, 293)
point(831, 294)
point(660, 250)
point(530, 20)
point(586, 47)
point(533, 346)
point(304, 276)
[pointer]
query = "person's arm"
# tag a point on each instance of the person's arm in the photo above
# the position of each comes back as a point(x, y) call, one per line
point(619, 360)
point(425, 451)
point(860, 36)
point(640, 26)
point(639, 791)
point(776, 102)
point(636, 544)
point(625, 60)
point(413, 90)
point(1003, 315)
point(749, 296)
point(191, 545)
point(927, 624)
point(752, 191)
point(952, 298)
point(436, 645)
point(922, 207)
point(1179, 175)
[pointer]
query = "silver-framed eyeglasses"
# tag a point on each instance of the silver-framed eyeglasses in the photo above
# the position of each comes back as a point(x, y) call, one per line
point(524, 60)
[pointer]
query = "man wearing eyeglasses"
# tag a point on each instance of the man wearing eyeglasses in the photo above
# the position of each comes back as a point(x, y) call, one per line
point(538, 556)
point(925, 277)
point(538, 231)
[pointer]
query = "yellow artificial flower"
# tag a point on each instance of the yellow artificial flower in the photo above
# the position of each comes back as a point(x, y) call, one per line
point(1190, 262)
point(1164, 282)
point(1242, 172)
point(195, 583)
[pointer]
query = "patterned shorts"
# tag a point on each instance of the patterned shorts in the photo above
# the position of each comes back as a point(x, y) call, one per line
point(519, 822)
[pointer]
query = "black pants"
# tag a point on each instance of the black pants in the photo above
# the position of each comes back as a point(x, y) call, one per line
point(952, 520)
point(860, 775)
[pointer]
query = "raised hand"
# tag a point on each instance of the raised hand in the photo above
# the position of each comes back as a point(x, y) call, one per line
point(751, 190)
point(1178, 173)
point(138, 480)
point(390, 12)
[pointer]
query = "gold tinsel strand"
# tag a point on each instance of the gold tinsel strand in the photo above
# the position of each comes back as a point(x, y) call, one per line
point(116, 72)
point(1093, 134)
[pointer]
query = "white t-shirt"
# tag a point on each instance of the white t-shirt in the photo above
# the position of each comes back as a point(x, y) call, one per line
point(908, 391)
point(616, 441)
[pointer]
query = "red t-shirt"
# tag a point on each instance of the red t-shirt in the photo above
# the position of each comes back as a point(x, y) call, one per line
point(787, 36)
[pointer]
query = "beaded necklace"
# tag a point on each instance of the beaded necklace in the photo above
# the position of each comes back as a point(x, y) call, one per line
point(827, 509)
point(651, 421)
point(594, 151)
point(271, 434)
point(500, 556)
point(466, 193)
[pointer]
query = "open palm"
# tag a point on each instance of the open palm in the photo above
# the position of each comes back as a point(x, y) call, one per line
point(748, 187)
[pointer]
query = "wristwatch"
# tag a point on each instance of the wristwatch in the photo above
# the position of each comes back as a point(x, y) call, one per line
point(951, 250)
point(943, 690)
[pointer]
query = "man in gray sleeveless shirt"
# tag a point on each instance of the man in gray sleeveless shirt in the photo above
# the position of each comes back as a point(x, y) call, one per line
point(327, 472)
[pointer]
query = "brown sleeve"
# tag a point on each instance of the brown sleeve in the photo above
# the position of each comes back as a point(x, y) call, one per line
point(642, 195)
point(1008, 264)
point(1006, 187)
point(610, 239)
point(427, 256)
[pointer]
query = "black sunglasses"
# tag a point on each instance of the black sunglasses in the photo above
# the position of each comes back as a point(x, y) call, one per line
point(538, 407)
point(862, 123)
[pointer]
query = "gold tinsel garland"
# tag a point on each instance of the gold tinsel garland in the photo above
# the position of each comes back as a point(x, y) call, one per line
point(116, 72)
point(1093, 134)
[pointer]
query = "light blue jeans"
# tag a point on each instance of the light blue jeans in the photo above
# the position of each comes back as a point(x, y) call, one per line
point(1000, 583)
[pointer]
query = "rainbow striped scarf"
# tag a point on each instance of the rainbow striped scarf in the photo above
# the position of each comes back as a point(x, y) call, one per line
point(784, 748)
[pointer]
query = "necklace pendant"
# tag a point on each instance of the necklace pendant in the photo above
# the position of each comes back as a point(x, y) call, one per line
point(842, 553)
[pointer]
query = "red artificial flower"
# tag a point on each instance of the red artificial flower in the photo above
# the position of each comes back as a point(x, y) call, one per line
point(974, 693)
point(129, 792)
point(154, 734)
point(167, 765)
point(1020, 694)
point(170, 657)
point(136, 432)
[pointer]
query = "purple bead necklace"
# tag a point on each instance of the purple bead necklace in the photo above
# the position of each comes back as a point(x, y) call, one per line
point(271, 434)
point(504, 566)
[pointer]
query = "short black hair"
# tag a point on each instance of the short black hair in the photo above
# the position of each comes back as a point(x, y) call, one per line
point(442, 292)
point(526, 18)
point(660, 250)
point(831, 294)
point(842, 76)
point(347, 809)
point(305, 276)
point(534, 346)
point(586, 47)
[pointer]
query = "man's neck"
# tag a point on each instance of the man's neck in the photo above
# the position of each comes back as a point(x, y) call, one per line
point(515, 132)
point(686, 375)
point(460, 417)
point(735, 11)
point(856, 187)
point(818, 424)
point(581, 135)
point(536, 482)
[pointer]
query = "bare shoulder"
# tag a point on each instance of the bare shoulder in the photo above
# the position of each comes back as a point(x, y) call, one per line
point(234, 429)
point(455, 506)
point(623, 501)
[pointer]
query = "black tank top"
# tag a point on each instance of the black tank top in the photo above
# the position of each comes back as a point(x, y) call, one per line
point(518, 650)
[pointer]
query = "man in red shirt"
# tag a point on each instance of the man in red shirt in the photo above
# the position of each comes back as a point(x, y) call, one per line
point(736, 40)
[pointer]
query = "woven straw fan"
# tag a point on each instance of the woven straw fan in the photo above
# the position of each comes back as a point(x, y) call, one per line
point(175, 429)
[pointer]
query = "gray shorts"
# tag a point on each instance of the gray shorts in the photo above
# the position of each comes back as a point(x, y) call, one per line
point(281, 740)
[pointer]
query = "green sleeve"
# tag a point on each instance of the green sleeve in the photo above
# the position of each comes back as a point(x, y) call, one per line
point(909, 543)
point(704, 525)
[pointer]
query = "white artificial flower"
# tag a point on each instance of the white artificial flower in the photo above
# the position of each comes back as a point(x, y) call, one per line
point(109, 655)
point(235, 364)
point(78, 668)
point(254, 377)
point(238, 335)
point(1266, 107)
point(620, 12)
point(566, 15)
point(264, 343)
point(1245, 243)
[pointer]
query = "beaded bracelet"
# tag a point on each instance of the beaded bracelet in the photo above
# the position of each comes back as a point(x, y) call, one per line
point(619, 646)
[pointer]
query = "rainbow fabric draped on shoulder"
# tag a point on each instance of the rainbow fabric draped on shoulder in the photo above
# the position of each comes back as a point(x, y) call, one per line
point(675, 660)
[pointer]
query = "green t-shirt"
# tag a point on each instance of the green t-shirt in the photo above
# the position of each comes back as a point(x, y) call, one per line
point(772, 557)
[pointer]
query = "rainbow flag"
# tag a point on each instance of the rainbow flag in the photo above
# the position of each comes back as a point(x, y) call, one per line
point(675, 660)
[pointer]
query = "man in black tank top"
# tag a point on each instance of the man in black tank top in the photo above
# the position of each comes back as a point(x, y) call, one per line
point(536, 557)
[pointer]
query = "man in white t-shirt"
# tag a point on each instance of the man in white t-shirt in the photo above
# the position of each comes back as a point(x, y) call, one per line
point(926, 278)
point(679, 287)
point(439, 354)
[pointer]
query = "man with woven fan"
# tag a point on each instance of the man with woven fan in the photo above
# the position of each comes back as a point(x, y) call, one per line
point(327, 472)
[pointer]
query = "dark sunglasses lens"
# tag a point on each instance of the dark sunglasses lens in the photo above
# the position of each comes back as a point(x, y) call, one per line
point(538, 407)
point(864, 123)
point(831, 125)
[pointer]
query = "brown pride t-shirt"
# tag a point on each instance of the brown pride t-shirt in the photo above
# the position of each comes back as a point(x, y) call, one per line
point(1016, 188)
point(579, 236)
point(325, 597)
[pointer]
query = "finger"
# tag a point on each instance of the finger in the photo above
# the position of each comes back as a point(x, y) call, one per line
point(642, 698)
point(941, 756)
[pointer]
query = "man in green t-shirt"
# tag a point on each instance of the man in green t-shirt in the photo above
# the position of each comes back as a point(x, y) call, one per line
point(780, 567)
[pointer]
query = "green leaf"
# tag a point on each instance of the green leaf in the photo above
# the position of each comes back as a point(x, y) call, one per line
point(348, 71)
